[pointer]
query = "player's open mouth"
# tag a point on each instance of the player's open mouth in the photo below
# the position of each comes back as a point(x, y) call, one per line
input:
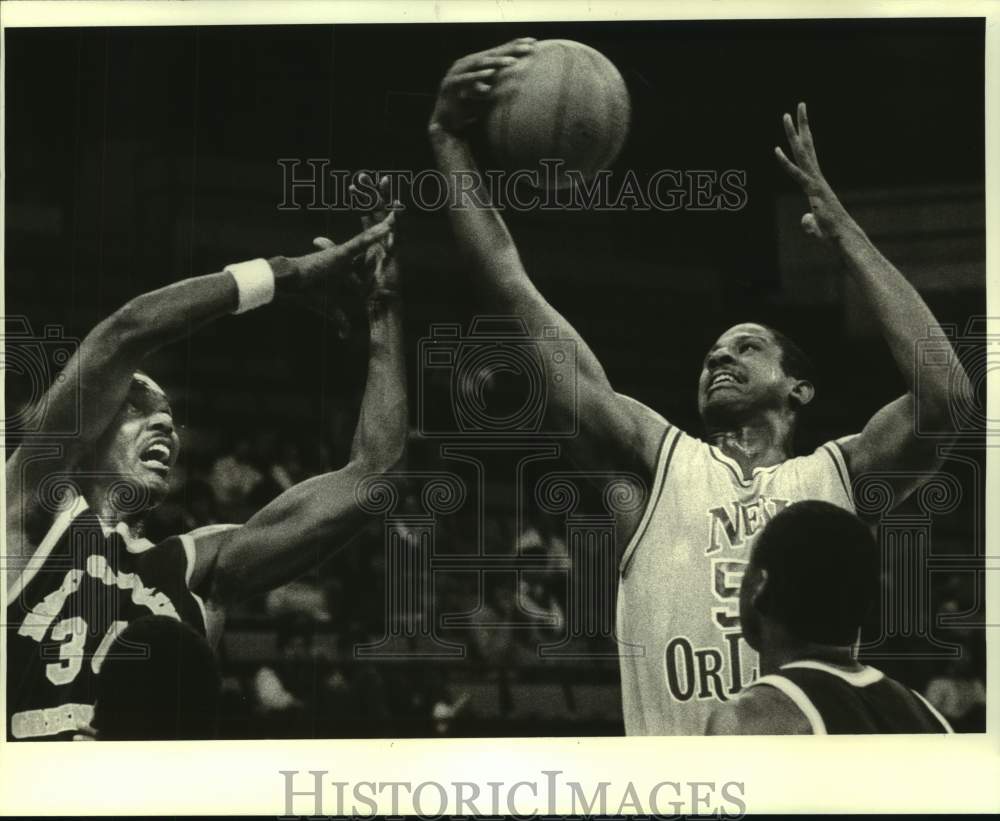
point(723, 379)
point(157, 456)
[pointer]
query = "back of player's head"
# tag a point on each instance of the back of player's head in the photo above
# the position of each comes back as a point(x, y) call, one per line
point(822, 572)
point(159, 681)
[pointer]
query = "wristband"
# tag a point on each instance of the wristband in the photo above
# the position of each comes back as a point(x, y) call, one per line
point(254, 284)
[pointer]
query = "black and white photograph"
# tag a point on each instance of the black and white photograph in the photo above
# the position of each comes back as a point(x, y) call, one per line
point(526, 379)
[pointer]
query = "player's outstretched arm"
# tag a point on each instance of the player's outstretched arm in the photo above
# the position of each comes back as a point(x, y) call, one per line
point(889, 442)
point(108, 356)
point(614, 435)
point(298, 529)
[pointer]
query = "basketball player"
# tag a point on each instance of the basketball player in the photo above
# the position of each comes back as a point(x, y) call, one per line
point(168, 691)
point(812, 578)
point(89, 572)
point(678, 628)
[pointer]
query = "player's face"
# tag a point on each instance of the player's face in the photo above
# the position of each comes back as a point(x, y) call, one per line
point(742, 373)
point(143, 443)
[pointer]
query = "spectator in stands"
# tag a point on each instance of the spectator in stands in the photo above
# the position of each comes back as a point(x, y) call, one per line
point(287, 469)
point(302, 598)
point(233, 478)
point(960, 694)
point(287, 690)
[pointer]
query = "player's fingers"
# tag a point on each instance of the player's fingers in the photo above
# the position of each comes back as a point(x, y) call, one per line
point(366, 222)
point(520, 47)
point(802, 117)
point(390, 240)
point(84, 732)
point(811, 227)
point(469, 78)
point(517, 46)
point(793, 170)
point(363, 199)
point(355, 283)
point(790, 133)
point(368, 237)
point(385, 190)
point(322, 243)
point(341, 324)
point(805, 132)
point(485, 62)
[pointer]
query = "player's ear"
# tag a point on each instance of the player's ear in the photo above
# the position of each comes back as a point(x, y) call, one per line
point(760, 593)
point(802, 393)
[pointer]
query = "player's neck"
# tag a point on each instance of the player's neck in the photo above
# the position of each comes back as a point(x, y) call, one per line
point(777, 654)
point(759, 443)
point(101, 500)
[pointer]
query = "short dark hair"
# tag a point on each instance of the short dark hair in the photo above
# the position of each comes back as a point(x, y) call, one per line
point(823, 572)
point(159, 681)
point(794, 361)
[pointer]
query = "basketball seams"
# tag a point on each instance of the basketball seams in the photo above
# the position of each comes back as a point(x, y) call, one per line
point(609, 99)
point(560, 115)
point(553, 107)
point(614, 110)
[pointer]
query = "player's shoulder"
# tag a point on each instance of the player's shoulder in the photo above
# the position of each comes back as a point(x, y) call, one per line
point(826, 452)
point(641, 410)
point(758, 710)
point(653, 425)
point(204, 532)
point(207, 537)
point(201, 546)
point(827, 464)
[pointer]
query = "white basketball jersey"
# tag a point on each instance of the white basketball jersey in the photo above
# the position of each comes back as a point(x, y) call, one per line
point(678, 626)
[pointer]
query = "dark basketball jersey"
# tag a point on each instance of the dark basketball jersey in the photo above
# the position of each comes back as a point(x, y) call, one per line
point(838, 702)
point(83, 585)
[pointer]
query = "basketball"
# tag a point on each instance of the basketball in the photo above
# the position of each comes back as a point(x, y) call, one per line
point(568, 102)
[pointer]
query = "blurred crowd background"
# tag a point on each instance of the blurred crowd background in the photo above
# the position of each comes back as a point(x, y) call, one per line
point(291, 660)
point(139, 156)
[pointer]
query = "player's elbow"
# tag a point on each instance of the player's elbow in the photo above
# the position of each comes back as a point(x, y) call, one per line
point(367, 465)
point(383, 452)
point(937, 408)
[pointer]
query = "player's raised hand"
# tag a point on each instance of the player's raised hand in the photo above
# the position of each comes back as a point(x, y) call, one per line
point(467, 88)
point(332, 261)
point(381, 273)
point(827, 218)
point(322, 281)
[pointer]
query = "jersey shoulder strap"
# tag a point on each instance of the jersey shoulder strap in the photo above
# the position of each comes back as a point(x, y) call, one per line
point(55, 532)
point(798, 697)
point(190, 542)
point(668, 446)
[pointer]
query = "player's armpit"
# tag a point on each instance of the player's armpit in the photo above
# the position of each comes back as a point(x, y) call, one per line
point(203, 545)
point(889, 444)
point(759, 711)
